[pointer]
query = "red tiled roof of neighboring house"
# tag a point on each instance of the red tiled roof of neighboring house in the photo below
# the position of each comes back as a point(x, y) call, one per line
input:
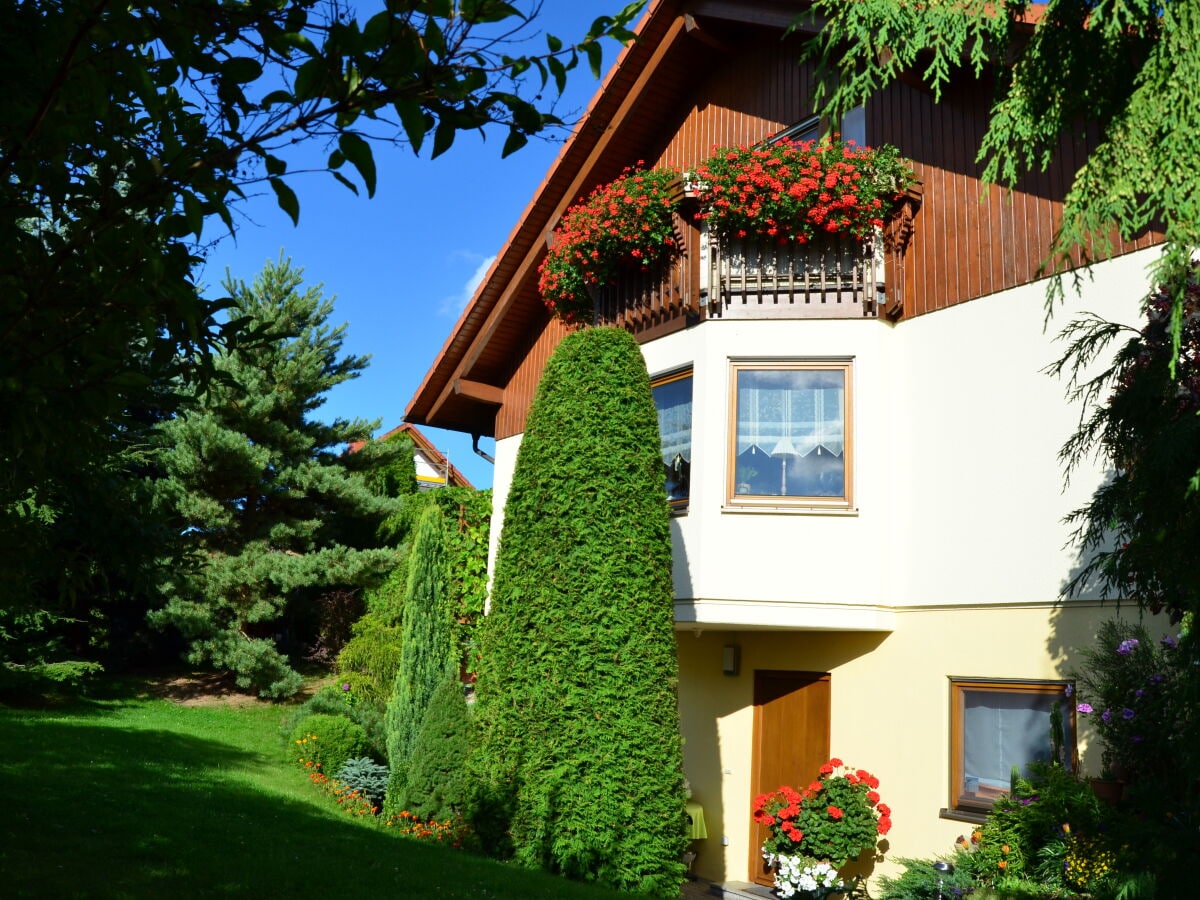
point(422, 444)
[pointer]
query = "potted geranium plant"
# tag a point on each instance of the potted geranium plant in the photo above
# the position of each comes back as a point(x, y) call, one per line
point(625, 223)
point(821, 828)
point(793, 192)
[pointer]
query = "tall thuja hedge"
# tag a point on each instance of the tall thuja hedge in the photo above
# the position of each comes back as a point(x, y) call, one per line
point(428, 655)
point(579, 754)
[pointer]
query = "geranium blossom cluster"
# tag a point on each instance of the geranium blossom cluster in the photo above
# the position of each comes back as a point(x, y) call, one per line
point(797, 874)
point(791, 192)
point(835, 818)
point(627, 222)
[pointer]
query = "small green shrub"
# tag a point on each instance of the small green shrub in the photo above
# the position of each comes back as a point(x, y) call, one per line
point(434, 787)
point(920, 880)
point(334, 700)
point(366, 776)
point(327, 741)
point(370, 658)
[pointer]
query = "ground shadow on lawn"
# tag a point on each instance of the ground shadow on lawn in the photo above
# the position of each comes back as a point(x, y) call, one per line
point(98, 810)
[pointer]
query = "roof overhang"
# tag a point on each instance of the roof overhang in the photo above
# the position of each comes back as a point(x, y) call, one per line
point(465, 385)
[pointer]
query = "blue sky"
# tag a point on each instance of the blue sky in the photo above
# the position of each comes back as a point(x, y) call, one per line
point(403, 264)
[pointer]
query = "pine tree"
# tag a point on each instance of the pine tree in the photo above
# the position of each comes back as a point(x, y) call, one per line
point(428, 655)
point(259, 487)
point(577, 720)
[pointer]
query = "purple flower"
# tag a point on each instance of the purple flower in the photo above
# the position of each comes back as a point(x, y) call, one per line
point(1170, 643)
point(346, 686)
point(1106, 716)
point(1126, 646)
point(1069, 690)
point(1138, 693)
point(1127, 713)
point(1157, 678)
point(1083, 708)
point(1137, 739)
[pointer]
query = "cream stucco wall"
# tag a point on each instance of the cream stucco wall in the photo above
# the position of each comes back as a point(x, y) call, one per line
point(890, 701)
point(950, 563)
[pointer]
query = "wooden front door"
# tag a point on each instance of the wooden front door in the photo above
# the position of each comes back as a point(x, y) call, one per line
point(791, 742)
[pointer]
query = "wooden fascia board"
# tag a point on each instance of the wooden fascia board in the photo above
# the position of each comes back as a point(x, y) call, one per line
point(768, 14)
point(582, 173)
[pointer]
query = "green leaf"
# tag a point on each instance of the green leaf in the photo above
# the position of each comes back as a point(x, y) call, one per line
point(310, 78)
point(287, 199)
point(275, 165)
point(553, 43)
point(359, 153)
point(241, 69)
point(595, 57)
point(515, 141)
point(344, 180)
point(274, 97)
point(414, 120)
point(479, 12)
point(559, 71)
point(443, 138)
point(193, 212)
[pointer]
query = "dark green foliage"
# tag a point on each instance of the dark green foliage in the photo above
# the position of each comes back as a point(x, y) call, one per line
point(577, 719)
point(1122, 72)
point(366, 776)
point(1025, 827)
point(920, 880)
point(258, 489)
point(435, 786)
point(130, 130)
point(468, 515)
point(328, 740)
point(370, 659)
point(427, 656)
point(399, 477)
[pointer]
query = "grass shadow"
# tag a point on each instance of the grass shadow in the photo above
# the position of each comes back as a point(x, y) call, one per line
point(135, 801)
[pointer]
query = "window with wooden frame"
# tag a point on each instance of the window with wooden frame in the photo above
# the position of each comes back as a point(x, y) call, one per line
point(790, 434)
point(997, 724)
point(673, 400)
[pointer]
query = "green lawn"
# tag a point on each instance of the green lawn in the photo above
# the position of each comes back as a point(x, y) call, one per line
point(141, 797)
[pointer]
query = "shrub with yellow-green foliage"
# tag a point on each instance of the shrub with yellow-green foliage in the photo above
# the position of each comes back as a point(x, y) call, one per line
point(579, 756)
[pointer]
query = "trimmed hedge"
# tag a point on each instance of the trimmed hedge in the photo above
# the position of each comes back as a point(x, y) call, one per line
point(577, 720)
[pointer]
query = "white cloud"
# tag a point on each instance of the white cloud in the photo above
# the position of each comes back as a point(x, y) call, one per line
point(456, 303)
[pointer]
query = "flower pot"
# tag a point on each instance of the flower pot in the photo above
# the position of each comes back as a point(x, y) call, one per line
point(1108, 790)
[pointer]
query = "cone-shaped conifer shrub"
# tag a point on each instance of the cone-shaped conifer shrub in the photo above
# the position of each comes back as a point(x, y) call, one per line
point(577, 718)
point(428, 655)
point(434, 786)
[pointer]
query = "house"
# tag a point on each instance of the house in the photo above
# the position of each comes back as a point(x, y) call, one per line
point(868, 535)
point(434, 469)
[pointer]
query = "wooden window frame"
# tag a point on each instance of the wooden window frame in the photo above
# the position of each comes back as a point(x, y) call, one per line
point(680, 505)
point(733, 500)
point(960, 804)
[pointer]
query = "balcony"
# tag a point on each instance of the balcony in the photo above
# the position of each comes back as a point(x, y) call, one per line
point(838, 278)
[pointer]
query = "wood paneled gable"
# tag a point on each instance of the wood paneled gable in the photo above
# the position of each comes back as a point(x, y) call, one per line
point(708, 73)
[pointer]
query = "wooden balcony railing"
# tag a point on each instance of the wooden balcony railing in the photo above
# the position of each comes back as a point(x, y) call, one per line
point(838, 277)
point(642, 298)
